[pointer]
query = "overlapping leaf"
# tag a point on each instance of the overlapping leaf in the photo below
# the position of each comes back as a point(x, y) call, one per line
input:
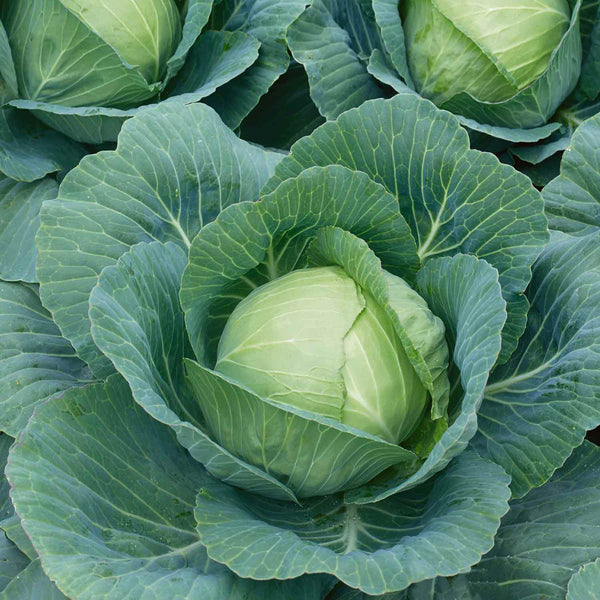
point(539, 405)
point(155, 186)
point(20, 205)
point(573, 199)
point(35, 360)
point(106, 494)
point(455, 199)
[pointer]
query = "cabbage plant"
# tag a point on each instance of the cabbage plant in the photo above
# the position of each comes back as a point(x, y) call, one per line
point(520, 75)
point(158, 444)
point(72, 71)
point(490, 51)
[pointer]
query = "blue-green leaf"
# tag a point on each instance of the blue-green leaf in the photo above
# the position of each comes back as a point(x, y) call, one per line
point(539, 405)
point(107, 494)
point(154, 186)
point(20, 205)
point(442, 526)
point(35, 360)
point(30, 151)
point(573, 198)
point(336, 68)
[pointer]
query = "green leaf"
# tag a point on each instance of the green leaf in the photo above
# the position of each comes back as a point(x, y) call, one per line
point(540, 152)
point(196, 17)
point(585, 584)
point(483, 135)
point(387, 16)
point(538, 406)
point(588, 86)
point(573, 199)
point(16, 534)
point(542, 542)
point(6, 508)
point(8, 77)
point(323, 455)
point(454, 199)
point(35, 360)
point(107, 496)
point(30, 583)
point(12, 560)
point(137, 322)
point(154, 186)
point(30, 151)
point(20, 205)
point(442, 526)
point(216, 58)
point(322, 39)
point(87, 125)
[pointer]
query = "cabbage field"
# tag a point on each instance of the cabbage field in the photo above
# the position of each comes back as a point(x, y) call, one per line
point(300, 299)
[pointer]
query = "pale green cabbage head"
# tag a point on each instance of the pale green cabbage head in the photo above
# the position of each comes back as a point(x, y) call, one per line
point(316, 341)
point(105, 53)
point(145, 33)
point(490, 49)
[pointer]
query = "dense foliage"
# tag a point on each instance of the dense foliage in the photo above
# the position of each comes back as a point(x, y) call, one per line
point(274, 325)
point(521, 75)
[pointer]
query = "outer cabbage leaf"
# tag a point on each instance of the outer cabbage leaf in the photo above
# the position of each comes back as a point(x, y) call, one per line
point(573, 198)
point(267, 21)
point(440, 527)
point(12, 560)
point(20, 205)
point(35, 360)
point(30, 151)
point(8, 76)
point(30, 583)
point(539, 405)
point(584, 585)
point(543, 548)
point(542, 542)
point(344, 83)
point(154, 186)
point(132, 533)
point(588, 87)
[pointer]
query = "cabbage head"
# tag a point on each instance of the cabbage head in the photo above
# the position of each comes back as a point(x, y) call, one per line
point(491, 50)
point(515, 72)
point(315, 340)
point(88, 53)
point(73, 71)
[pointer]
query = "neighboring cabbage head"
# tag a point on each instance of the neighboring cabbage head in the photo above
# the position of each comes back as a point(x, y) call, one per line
point(103, 53)
point(490, 50)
